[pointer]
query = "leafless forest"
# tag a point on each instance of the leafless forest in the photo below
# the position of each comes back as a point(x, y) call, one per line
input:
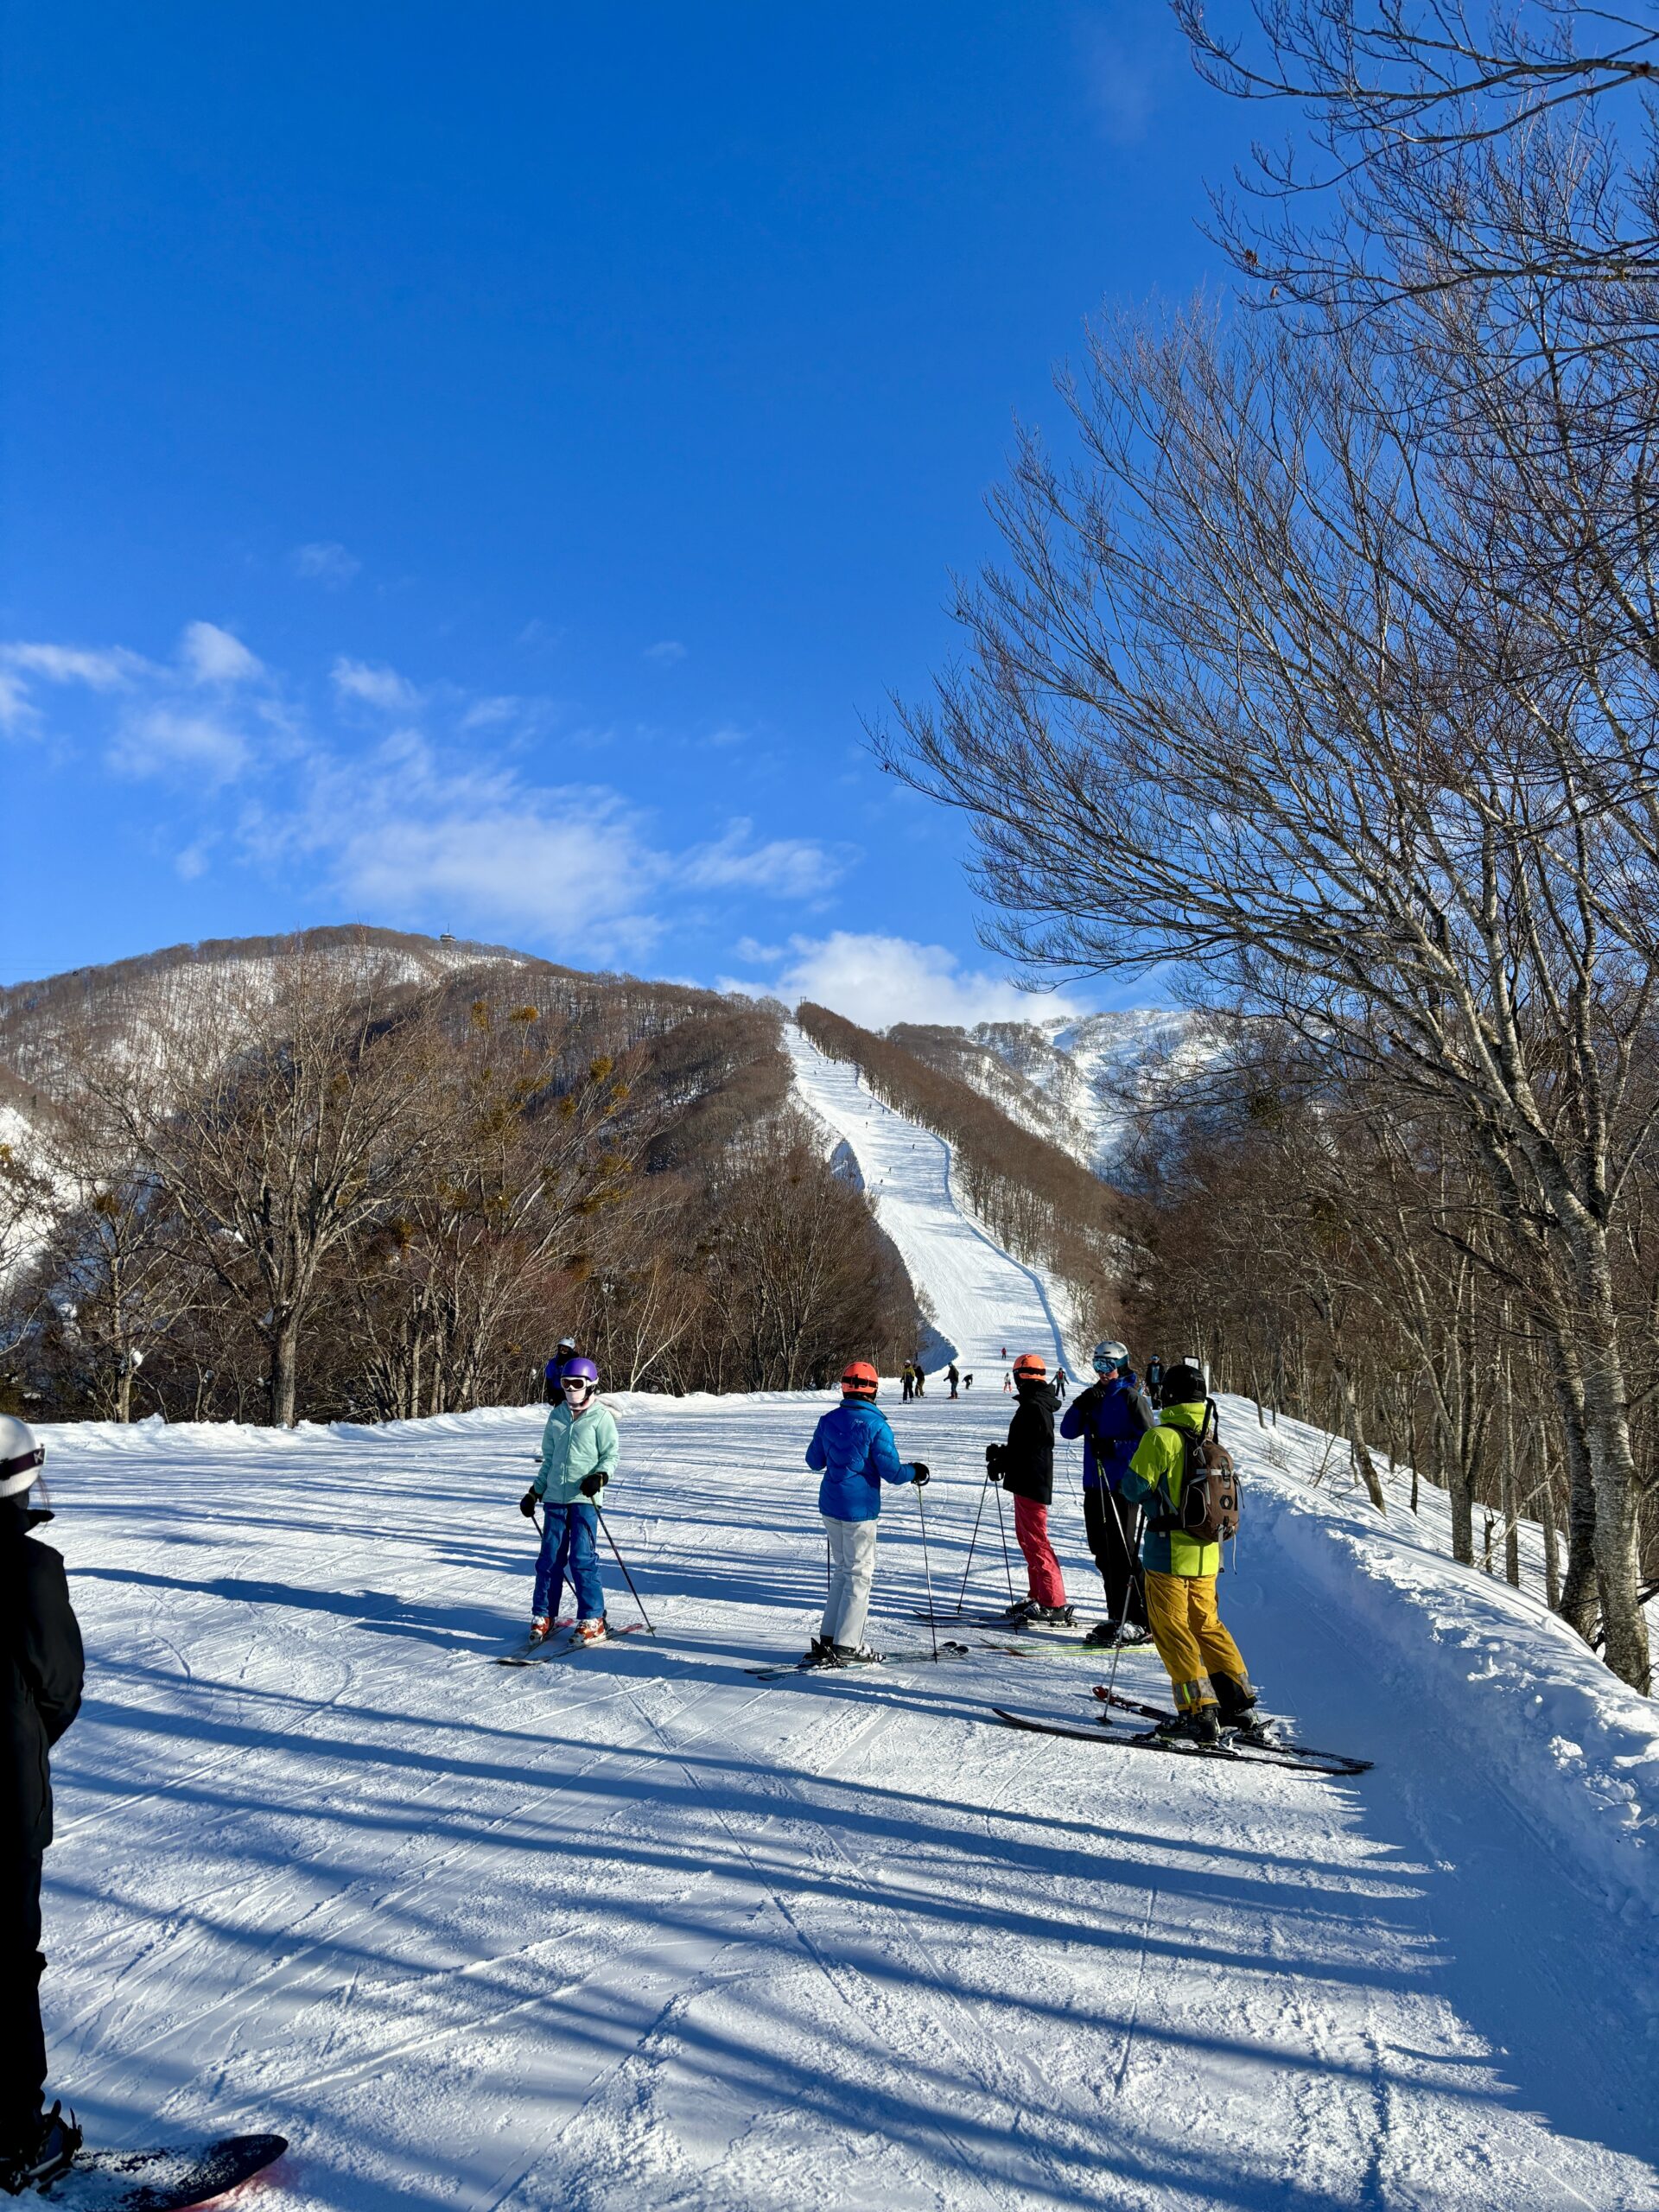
point(311, 1178)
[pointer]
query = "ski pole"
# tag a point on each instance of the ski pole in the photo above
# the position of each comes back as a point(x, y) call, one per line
point(1003, 1526)
point(927, 1572)
point(623, 1564)
point(1134, 1582)
point(962, 1595)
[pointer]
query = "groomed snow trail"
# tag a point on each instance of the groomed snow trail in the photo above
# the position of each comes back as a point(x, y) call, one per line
point(986, 1306)
point(633, 1932)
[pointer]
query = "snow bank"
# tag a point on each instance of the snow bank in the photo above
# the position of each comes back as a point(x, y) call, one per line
point(1521, 1696)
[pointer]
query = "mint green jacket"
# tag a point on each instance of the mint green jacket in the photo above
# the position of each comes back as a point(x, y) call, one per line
point(574, 1446)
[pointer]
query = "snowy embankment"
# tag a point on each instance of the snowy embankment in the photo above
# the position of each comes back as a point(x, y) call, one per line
point(1487, 1668)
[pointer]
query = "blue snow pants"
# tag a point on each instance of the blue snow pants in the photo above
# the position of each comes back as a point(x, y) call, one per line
point(569, 1546)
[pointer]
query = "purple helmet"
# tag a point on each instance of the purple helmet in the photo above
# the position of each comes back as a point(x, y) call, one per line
point(581, 1370)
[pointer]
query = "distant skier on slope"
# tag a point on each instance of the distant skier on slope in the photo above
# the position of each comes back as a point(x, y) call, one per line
point(41, 1671)
point(1205, 1666)
point(1111, 1417)
point(1060, 1380)
point(579, 1454)
point(908, 1377)
point(565, 1349)
point(1024, 1466)
point(852, 1447)
point(953, 1377)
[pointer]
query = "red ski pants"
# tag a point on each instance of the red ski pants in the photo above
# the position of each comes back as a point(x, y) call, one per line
point(1042, 1568)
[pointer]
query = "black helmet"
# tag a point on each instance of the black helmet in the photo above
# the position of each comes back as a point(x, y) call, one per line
point(1183, 1385)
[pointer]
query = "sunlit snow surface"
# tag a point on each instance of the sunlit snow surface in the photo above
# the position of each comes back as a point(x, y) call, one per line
point(635, 1933)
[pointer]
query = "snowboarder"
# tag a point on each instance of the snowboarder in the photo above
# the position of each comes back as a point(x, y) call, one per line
point(579, 1455)
point(853, 1447)
point(1026, 1469)
point(1111, 1417)
point(565, 1349)
point(43, 1672)
point(908, 1378)
point(1208, 1672)
point(952, 1377)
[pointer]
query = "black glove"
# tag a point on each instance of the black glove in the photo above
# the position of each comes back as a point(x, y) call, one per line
point(528, 1503)
point(996, 1456)
point(591, 1485)
point(918, 1473)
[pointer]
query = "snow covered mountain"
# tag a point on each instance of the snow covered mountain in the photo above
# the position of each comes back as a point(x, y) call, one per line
point(1075, 1083)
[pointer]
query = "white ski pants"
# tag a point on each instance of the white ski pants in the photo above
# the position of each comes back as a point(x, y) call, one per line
point(852, 1570)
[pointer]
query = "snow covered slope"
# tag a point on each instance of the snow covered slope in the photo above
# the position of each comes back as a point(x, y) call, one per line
point(986, 1307)
point(635, 1930)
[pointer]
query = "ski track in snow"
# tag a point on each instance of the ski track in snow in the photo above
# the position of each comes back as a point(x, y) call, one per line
point(634, 1933)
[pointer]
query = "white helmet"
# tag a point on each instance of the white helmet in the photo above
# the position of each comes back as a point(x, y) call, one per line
point(21, 1457)
point(1109, 1355)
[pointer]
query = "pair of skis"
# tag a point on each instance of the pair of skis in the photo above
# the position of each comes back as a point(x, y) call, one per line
point(1250, 1745)
point(856, 1666)
point(539, 1654)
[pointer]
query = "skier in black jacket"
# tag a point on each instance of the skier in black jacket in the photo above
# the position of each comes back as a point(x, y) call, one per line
point(1025, 1467)
point(41, 1676)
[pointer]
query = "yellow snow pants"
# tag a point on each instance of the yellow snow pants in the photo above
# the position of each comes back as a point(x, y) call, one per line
point(1191, 1640)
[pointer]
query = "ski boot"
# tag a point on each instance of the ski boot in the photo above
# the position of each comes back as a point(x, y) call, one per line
point(1132, 1635)
point(1024, 1609)
point(1054, 1617)
point(46, 2153)
point(854, 1655)
point(540, 1629)
point(822, 1652)
point(591, 1631)
point(1103, 1635)
point(1198, 1726)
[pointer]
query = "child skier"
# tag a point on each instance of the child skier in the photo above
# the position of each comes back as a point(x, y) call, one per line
point(1111, 1417)
point(41, 1674)
point(1205, 1667)
point(579, 1454)
point(853, 1447)
point(1025, 1467)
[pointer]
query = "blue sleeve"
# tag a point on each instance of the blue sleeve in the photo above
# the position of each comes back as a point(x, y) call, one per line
point(884, 1458)
point(817, 1457)
point(1071, 1419)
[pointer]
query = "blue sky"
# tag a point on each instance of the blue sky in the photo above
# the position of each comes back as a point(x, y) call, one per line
point(471, 468)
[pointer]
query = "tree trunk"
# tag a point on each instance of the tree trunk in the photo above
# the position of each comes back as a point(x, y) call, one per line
point(284, 1363)
point(1363, 1461)
point(1613, 1476)
point(123, 1390)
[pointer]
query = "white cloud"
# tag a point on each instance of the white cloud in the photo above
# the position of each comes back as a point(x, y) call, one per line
point(214, 655)
point(106, 669)
point(162, 739)
point(666, 652)
point(877, 981)
point(785, 867)
point(376, 687)
point(325, 563)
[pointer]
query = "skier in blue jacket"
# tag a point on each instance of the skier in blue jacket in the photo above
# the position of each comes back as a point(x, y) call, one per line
point(1111, 1417)
point(854, 1448)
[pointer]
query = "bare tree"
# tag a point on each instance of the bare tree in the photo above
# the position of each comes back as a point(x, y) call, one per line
point(280, 1116)
point(1231, 705)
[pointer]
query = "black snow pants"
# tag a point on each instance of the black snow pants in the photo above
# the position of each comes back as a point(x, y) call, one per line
point(24, 2076)
point(1113, 1527)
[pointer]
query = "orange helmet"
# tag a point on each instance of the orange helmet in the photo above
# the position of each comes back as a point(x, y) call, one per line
point(1029, 1369)
point(858, 1380)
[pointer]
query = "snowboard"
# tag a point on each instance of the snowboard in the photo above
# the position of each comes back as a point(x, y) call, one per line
point(165, 2180)
point(541, 1653)
point(1236, 1754)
